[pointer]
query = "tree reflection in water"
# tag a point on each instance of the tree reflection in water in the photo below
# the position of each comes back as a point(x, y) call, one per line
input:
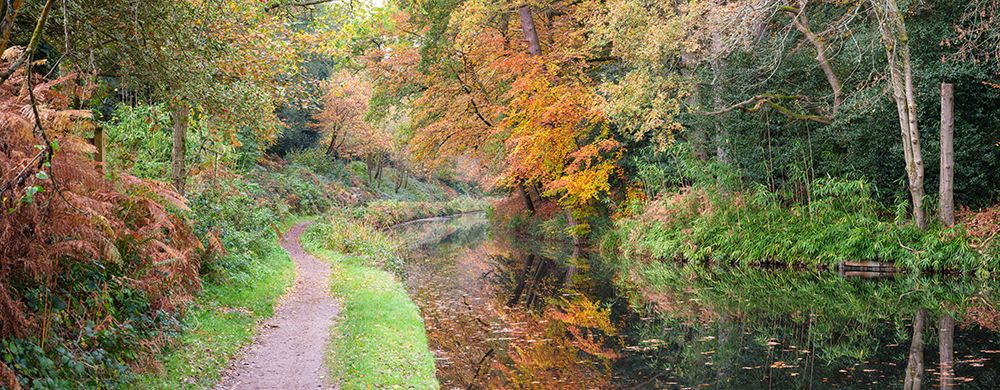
point(500, 315)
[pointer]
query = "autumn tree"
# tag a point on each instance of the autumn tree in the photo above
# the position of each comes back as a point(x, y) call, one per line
point(344, 121)
point(509, 84)
point(344, 108)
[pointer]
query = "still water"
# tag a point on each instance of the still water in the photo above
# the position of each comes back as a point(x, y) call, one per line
point(502, 312)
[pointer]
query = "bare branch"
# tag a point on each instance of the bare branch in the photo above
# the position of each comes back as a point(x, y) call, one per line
point(757, 102)
point(279, 4)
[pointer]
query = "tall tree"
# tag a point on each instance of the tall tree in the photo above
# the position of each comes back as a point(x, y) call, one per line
point(535, 49)
point(897, 50)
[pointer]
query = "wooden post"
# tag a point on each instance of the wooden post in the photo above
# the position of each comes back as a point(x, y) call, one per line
point(947, 183)
point(99, 143)
point(179, 115)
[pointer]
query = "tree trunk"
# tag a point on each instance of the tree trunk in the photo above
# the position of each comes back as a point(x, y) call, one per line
point(915, 365)
point(697, 137)
point(521, 279)
point(722, 143)
point(531, 295)
point(401, 173)
point(179, 115)
point(901, 80)
point(536, 192)
point(504, 27)
point(29, 52)
point(370, 168)
point(331, 150)
point(947, 184)
point(7, 24)
point(528, 204)
point(946, 349)
point(917, 175)
point(530, 34)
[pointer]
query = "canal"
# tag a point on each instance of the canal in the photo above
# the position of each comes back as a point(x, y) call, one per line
point(504, 312)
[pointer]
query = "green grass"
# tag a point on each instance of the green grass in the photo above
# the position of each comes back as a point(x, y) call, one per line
point(379, 339)
point(222, 320)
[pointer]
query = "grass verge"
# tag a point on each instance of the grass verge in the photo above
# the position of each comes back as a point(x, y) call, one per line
point(379, 339)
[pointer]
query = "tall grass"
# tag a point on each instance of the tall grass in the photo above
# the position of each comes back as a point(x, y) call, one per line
point(841, 223)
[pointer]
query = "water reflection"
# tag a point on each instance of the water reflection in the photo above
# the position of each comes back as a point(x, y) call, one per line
point(730, 329)
point(501, 314)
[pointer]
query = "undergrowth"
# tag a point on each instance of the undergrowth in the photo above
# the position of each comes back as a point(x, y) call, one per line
point(755, 227)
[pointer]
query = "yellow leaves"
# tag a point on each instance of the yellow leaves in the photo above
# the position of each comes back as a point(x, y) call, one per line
point(579, 188)
point(537, 119)
point(647, 104)
point(640, 32)
point(548, 114)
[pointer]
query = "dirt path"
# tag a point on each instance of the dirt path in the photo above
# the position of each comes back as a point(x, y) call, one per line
point(290, 349)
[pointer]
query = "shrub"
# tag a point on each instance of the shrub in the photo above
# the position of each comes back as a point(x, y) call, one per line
point(341, 234)
point(320, 163)
point(359, 169)
point(245, 228)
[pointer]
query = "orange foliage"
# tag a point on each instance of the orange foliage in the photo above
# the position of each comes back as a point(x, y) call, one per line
point(983, 226)
point(343, 118)
point(538, 119)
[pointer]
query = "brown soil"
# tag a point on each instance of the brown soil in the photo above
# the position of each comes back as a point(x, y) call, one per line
point(289, 350)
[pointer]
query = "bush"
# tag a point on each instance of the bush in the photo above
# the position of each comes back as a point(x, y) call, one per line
point(140, 141)
point(299, 189)
point(245, 228)
point(320, 163)
point(359, 168)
